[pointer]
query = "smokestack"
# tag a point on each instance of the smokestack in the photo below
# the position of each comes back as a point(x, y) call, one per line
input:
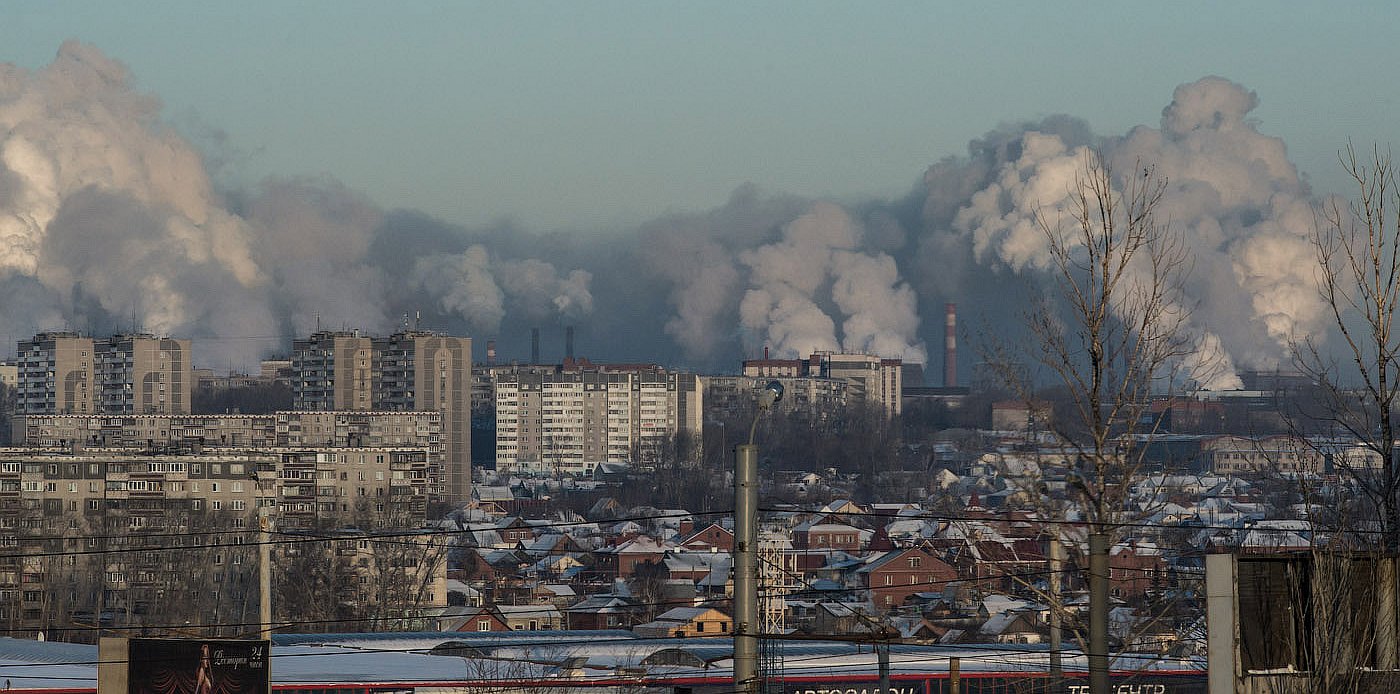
point(950, 346)
point(490, 352)
point(569, 342)
point(534, 345)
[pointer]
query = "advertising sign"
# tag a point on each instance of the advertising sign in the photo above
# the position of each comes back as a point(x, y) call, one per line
point(197, 666)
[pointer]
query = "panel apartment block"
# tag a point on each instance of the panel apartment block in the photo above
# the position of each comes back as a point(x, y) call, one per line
point(868, 378)
point(569, 421)
point(410, 371)
point(67, 373)
point(332, 370)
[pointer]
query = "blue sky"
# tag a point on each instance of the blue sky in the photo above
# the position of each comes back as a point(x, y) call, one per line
point(594, 116)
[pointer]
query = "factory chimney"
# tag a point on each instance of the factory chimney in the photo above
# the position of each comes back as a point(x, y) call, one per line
point(569, 342)
point(490, 352)
point(950, 346)
point(534, 345)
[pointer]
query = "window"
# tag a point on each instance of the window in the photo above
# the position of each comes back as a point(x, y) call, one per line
point(915, 561)
point(483, 625)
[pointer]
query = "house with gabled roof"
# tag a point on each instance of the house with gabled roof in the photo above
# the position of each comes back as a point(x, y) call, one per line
point(604, 611)
point(471, 619)
point(894, 576)
point(713, 537)
point(687, 621)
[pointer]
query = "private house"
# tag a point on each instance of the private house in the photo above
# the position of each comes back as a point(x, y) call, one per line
point(894, 576)
point(687, 621)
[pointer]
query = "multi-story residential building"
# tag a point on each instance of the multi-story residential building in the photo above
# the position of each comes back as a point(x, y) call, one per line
point(579, 415)
point(410, 371)
point(9, 374)
point(162, 509)
point(143, 374)
point(867, 378)
point(333, 370)
point(736, 394)
point(427, 372)
point(345, 432)
point(56, 374)
point(67, 373)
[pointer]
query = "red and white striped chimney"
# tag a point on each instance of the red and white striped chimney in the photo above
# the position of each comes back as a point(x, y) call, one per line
point(950, 345)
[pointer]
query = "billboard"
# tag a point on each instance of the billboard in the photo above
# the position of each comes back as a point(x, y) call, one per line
point(197, 666)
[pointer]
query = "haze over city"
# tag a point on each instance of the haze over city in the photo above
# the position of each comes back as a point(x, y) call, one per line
point(684, 185)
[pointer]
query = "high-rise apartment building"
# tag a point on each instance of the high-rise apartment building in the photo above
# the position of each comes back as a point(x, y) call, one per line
point(56, 375)
point(333, 370)
point(143, 374)
point(410, 371)
point(570, 420)
point(68, 373)
point(427, 372)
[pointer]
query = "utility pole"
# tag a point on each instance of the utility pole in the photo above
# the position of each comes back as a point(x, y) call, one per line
point(746, 679)
point(884, 656)
point(1098, 613)
point(1057, 672)
point(265, 572)
point(745, 573)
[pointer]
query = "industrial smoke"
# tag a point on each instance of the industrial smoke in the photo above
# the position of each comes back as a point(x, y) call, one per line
point(108, 216)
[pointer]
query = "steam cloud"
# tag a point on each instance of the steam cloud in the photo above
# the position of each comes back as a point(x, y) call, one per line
point(108, 215)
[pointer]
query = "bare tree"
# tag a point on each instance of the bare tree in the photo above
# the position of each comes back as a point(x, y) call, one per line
point(1113, 334)
point(1358, 255)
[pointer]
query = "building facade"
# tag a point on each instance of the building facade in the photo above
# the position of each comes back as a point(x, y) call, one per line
point(866, 378)
point(68, 373)
point(126, 532)
point(410, 371)
point(333, 370)
point(570, 420)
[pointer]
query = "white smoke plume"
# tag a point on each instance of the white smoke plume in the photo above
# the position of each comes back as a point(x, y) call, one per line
point(815, 264)
point(1244, 211)
point(477, 288)
point(109, 218)
point(109, 221)
point(465, 286)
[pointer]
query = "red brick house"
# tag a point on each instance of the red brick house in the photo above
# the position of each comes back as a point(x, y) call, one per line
point(709, 537)
point(1134, 570)
point(826, 536)
point(895, 576)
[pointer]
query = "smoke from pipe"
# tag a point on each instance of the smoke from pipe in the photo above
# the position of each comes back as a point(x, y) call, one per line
point(107, 212)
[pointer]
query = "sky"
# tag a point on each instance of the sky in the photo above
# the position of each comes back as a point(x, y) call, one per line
point(685, 183)
point(596, 116)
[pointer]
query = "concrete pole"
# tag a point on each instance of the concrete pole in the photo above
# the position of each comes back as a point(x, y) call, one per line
point(883, 651)
point(1386, 647)
point(745, 569)
point(1056, 613)
point(1098, 614)
point(265, 573)
point(955, 676)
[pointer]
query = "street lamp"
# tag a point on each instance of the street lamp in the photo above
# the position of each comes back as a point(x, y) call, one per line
point(745, 546)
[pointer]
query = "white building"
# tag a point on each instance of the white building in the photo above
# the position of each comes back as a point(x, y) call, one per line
point(569, 421)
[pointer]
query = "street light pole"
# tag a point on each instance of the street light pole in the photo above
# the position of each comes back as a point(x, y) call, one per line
point(745, 547)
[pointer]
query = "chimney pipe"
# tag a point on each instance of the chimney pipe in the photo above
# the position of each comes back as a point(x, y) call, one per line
point(491, 352)
point(569, 342)
point(534, 345)
point(950, 346)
